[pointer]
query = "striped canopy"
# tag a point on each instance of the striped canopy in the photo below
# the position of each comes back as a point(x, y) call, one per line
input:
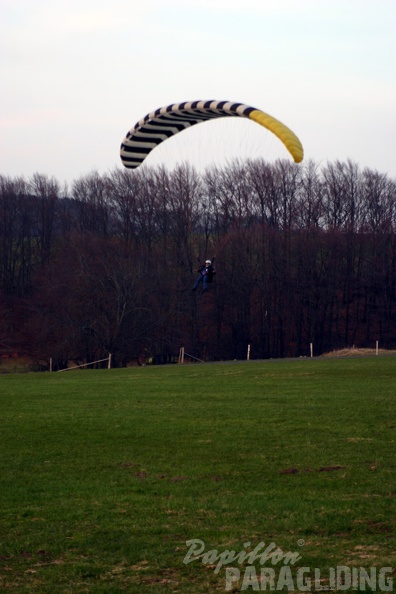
point(165, 122)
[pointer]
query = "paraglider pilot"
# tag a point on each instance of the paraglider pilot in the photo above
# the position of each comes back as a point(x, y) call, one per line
point(206, 273)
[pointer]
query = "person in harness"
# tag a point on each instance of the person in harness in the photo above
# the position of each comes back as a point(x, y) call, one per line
point(206, 274)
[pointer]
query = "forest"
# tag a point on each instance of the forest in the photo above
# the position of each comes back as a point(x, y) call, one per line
point(304, 254)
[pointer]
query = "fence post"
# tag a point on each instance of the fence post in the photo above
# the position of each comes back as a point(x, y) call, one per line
point(181, 355)
point(109, 362)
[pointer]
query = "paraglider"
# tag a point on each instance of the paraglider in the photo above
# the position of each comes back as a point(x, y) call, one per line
point(206, 274)
point(165, 122)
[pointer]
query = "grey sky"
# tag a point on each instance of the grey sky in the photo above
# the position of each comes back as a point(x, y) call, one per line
point(77, 74)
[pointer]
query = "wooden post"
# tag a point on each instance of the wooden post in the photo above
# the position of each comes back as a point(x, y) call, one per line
point(311, 348)
point(376, 347)
point(50, 363)
point(248, 353)
point(181, 355)
point(109, 362)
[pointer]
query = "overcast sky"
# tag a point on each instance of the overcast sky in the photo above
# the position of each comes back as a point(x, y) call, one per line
point(77, 74)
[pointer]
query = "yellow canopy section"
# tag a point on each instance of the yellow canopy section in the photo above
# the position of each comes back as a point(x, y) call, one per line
point(284, 133)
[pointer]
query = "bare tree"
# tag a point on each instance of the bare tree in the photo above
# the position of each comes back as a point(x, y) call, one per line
point(309, 207)
point(379, 202)
point(94, 210)
point(46, 192)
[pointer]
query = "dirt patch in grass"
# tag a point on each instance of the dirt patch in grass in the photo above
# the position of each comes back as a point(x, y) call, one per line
point(321, 469)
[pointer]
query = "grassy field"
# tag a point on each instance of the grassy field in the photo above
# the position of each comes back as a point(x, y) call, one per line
point(106, 474)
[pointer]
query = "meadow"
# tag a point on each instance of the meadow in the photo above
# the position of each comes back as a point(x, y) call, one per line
point(106, 474)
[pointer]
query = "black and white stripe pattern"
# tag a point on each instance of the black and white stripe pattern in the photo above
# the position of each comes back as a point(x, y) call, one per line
point(164, 122)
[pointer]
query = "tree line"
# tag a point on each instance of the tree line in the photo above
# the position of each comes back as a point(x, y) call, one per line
point(304, 254)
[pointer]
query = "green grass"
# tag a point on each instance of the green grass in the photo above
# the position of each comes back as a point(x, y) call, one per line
point(106, 474)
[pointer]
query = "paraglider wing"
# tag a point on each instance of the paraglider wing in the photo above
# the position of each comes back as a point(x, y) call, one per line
point(167, 121)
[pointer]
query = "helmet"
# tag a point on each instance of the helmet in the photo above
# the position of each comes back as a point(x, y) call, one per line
point(208, 262)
